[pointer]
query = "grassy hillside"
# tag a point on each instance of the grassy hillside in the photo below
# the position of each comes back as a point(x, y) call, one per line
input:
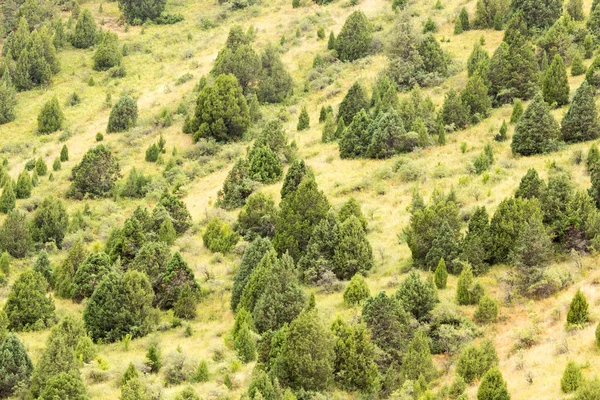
point(159, 55)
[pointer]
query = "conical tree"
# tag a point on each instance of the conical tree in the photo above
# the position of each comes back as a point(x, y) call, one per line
point(575, 9)
point(353, 253)
point(303, 120)
point(153, 359)
point(555, 85)
point(250, 260)
point(440, 277)
point(578, 311)
point(108, 53)
point(294, 176)
point(517, 111)
point(354, 40)
point(244, 344)
point(15, 365)
point(464, 286)
point(572, 378)
point(475, 98)
point(354, 101)
point(28, 306)
point(493, 386)
point(8, 198)
point(537, 131)
point(478, 61)
point(418, 361)
point(454, 112)
point(85, 31)
point(531, 185)
point(446, 245)
point(418, 296)
point(24, 187)
point(123, 115)
point(64, 153)
point(580, 123)
point(8, 99)
point(577, 67)
point(356, 291)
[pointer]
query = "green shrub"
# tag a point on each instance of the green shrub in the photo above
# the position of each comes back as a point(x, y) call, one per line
point(440, 276)
point(15, 365)
point(578, 314)
point(201, 374)
point(95, 175)
point(137, 13)
point(153, 359)
point(219, 237)
point(244, 344)
point(50, 222)
point(15, 236)
point(85, 31)
point(265, 166)
point(493, 386)
point(487, 310)
point(64, 386)
point(123, 115)
point(418, 296)
point(303, 120)
point(474, 361)
point(51, 118)
point(354, 40)
point(572, 378)
point(28, 306)
point(356, 291)
point(107, 53)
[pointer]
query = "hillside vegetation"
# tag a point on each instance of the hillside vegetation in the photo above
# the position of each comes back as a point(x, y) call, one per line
point(277, 200)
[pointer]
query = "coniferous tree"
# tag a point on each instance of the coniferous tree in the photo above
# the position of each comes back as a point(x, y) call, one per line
point(577, 67)
point(356, 291)
point(517, 111)
point(418, 296)
point(356, 139)
point(464, 287)
point(225, 123)
point(64, 153)
point(493, 386)
point(15, 365)
point(50, 222)
point(237, 186)
point(354, 101)
point(331, 41)
point(15, 236)
point(588, 47)
point(538, 14)
point(353, 253)
point(43, 266)
point(241, 61)
point(487, 310)
point(329, 129)
point(28, 306)
point(64, 386)
point(85, 31)
point(123, 115)
point(265, 166)
point(96, 174)
point(555, 85)
point(575, 9)
point(303, 120)
point(418, 361)
point(572, 378)
point(244, 344)
point(475, 360)
point(275, 82)
point(8, 99)
point(580, 123)
point(531, 185)
point(464, 18)
point(177, 275)
point(593, 157)
point(454, 112)
point(478, 61)
point(24, 187)
point(445, 245)
point(578, 311)
point(297, 171)
point(440, 277)
point(354, 40)
point(8, 198)
point(107, 54)
point(252, 256)
point(64, 273)
point(153, 359)
point(536, 131)
point(89, 274)
point(51, 117)
point(139, 12)
point(185, 306)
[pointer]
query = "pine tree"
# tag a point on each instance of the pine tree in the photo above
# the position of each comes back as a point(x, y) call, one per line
point(85, 31)
point(555, 85)
point(64, 386)
point(251, 258)
point(237, 187)
point(575, 9)
point(201, 374)
point(418, 361)
point(493, 386)
point(123, 115)
point(487, 311)
point(354, 101)
point(440, 276)
point(173, 281)
point(107, 54)
point(464, 287)
point(95, 175)
point(577, 67)
point(43, 266)
point(15, 236)
point(8, 198)
point(536, 131)
point(417, 296)
point(275, 82)
point(356, 291)
point(329, 129)
point(445, 245)
point(40, 167)
point(244, 344)
point(517, 111)
point(8, 100)
point(478, 61)
point(15, 365)
point(578, 311)
point(354, 40)
point(580, 123)
point(153, 359)
point(5, 264)
point(464, 18)
point(572, 378)
point(331, 41)
point(303, 120)
point(265, 166)
point(50, 222)
point(593, 157)
point(64, 153)
point(531, 185)
point(588, 46)
point(51, 117)
point(353, 253)
point(185, 306)
point(454, 112)
point(27, 306)
point(24, 187)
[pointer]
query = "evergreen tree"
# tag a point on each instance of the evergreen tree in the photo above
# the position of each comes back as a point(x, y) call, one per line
point(575, 9)
point(85, 31)
point(386, 137)
point(240, 61)
point(487, 310)
point(177, 275)
point(355, 355)
point(306, 335)
point(354, 40)
point(572, 378)
point(578, 311)
point(123, 115)
point(265, 165)
point(356, 291)
point(244, 344)
point(329, 129)
point(295, 174)
point(107, 54)
point(536, 131)
point(89, 274)
point(593, 157)
point(475, 360)
point(24, 187)
point(517, 111)
point(354, 101)
point(5, 264)
point(588, 47)
point(531, 185)
point(50, 222)
point(64, 273)
point(227, 122)
point(538, 14)
point(8, 198)
point(464, 287)
point(15, 365)
point(8, 100)
point(275, 81)
point(251, 258)
point(580, 123)
point(64, 153)
point(51, 117)
point(43, 266)
point(464, 18)
point(493, 386)
point(64, 386)
point(476, 245)
point(28, 306)
point(138, 12)
point(167, 233)
point(353, 253)
point(475, 98)
point(454, 111)
point(555, 85)
point(237, 186)
point(355, 138)
point(478, 61)
point(577, 67)
point(185, 306)
point(418, 361)
point(440, 276)
point(418, 296)
point(445, 245)
point(15, 236)
point(303, 120)
point(95, 175)
point(153, 359)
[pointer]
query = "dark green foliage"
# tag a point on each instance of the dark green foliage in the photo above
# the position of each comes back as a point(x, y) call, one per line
point(467, 292)
point(303, 120)
point(386, 137)
point(490, 13)
point(355, 138)
point(252, 256)
point(15, 365)
point(167, 233)
point(28, 306)
point(294, 176)
point(187, 394)
point(537, 131)
point(177, 276)
point(123, 115)
point(538, 14)
point(418, 361)
point(354, 364)
point(331, 41)
point(577, 67)
point(352, 208)
point(354, 40)
point(572, 378)
point(593, 157)
point(531, 185)
point(275, 82)
point(555, 85)
point(8, 100)
point(429, 26)
point(265, 166)
point(137, 12)
point(575, 9)
point(127, 241)
point(578, 310)
point(593, 23)
point(356, 291)
point(475, 360)
point(317, 264)
point(300, 212)
point(502, 133)
point(85, 31)
point(237, 186)
point(353, 253)
point(51, 117)
point(476, 244)
point(475, 98)
point(64, 153)
point(440, 277)
point(487, 310)
point(107, 53)
point(201, 374)
point(5, 264)
point(24, 186)
point(8, 199)
point(354, 101)
point(95, 175)
point(89, 274)
point(389, 324)
point(580, 123)
point(588, 47)
point(50, 222)
point(56, 165)
point(257, 217)
point(64, 386)
point(178, 212)
point(479, 61)
point(62, 278)
point(454, 112)
point(244, 344)
point(130, 373)
point(40, 167)
point(445, 245)
point(153, 359)
point(185, 306)
point(240, 61)
point(227, 122)
point(15, 237)
point(136, 184)
point(120, 305)
point(274, 137)
point(306, 335)
point(464, 19)
point(263, 386)
point(219, 237)
point(418, 296)
point(152, 259)
point(152, 153)
point(517, 111)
